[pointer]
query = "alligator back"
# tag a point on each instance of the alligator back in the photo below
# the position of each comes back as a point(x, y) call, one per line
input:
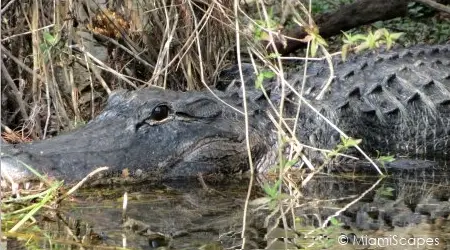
point(397, 101)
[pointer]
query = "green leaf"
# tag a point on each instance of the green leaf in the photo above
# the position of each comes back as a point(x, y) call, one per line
point(350, 142)
point(396, 36)
point(335, 222)
point(359, 37)
point(290, 163)
point(371, 40)
point(344, 51)
point(379, 34)
point(321, 41)
point(268, 74)
point(43, 47)
point(386, 158)
point(333, 153)
point(314, 47)
point(273, 55)
point(258, 81)
point(347, 38)
point(50, 39)
point(352, 39)
point(272, 190)
point(386, 191)
point(262, 76)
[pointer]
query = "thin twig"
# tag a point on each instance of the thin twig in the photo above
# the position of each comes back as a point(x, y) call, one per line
point(435, 5)
point(134, 54)
point(337, 213)
point(247, 136)
point(7, 7)
point(106, 67)
point(21, 64)
point(15, 92)
point(330, 77)
point(27, 33)
point(79, 184)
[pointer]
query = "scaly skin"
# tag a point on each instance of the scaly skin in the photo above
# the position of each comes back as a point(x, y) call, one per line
point(397, 102)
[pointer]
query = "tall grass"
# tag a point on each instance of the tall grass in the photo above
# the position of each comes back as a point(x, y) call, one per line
point(57, 75)
point(52, 50)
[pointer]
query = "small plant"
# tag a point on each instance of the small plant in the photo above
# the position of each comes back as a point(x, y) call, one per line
point(315, 39)
point(345, 144)
point(385, 191)
point(317, 237)
point(383, 159)
point(18, 213)
point(372, 40)
point(51, 45)
point(263, 75)
point(21, 208)
point(262, 27)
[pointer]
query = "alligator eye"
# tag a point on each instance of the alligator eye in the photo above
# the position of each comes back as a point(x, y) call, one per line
point(160, 113)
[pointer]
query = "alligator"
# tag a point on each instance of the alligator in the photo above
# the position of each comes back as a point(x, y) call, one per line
point(397, 102)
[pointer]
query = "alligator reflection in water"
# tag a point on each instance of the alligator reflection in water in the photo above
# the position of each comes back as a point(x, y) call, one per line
point(187, 216)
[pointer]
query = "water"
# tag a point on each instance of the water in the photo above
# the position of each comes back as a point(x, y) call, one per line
point(409, 212)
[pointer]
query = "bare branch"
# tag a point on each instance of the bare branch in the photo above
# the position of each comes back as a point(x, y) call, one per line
point(435, 5)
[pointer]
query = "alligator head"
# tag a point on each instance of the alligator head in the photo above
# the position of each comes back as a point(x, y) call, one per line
point(150, 133)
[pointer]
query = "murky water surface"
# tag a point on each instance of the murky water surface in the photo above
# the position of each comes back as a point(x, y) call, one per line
point(410, 212)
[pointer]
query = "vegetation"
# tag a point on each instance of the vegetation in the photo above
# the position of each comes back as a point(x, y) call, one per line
point(60, 63)
point(19, 209)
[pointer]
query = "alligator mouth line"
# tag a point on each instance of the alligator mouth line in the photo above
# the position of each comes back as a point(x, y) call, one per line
point(205, 143)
